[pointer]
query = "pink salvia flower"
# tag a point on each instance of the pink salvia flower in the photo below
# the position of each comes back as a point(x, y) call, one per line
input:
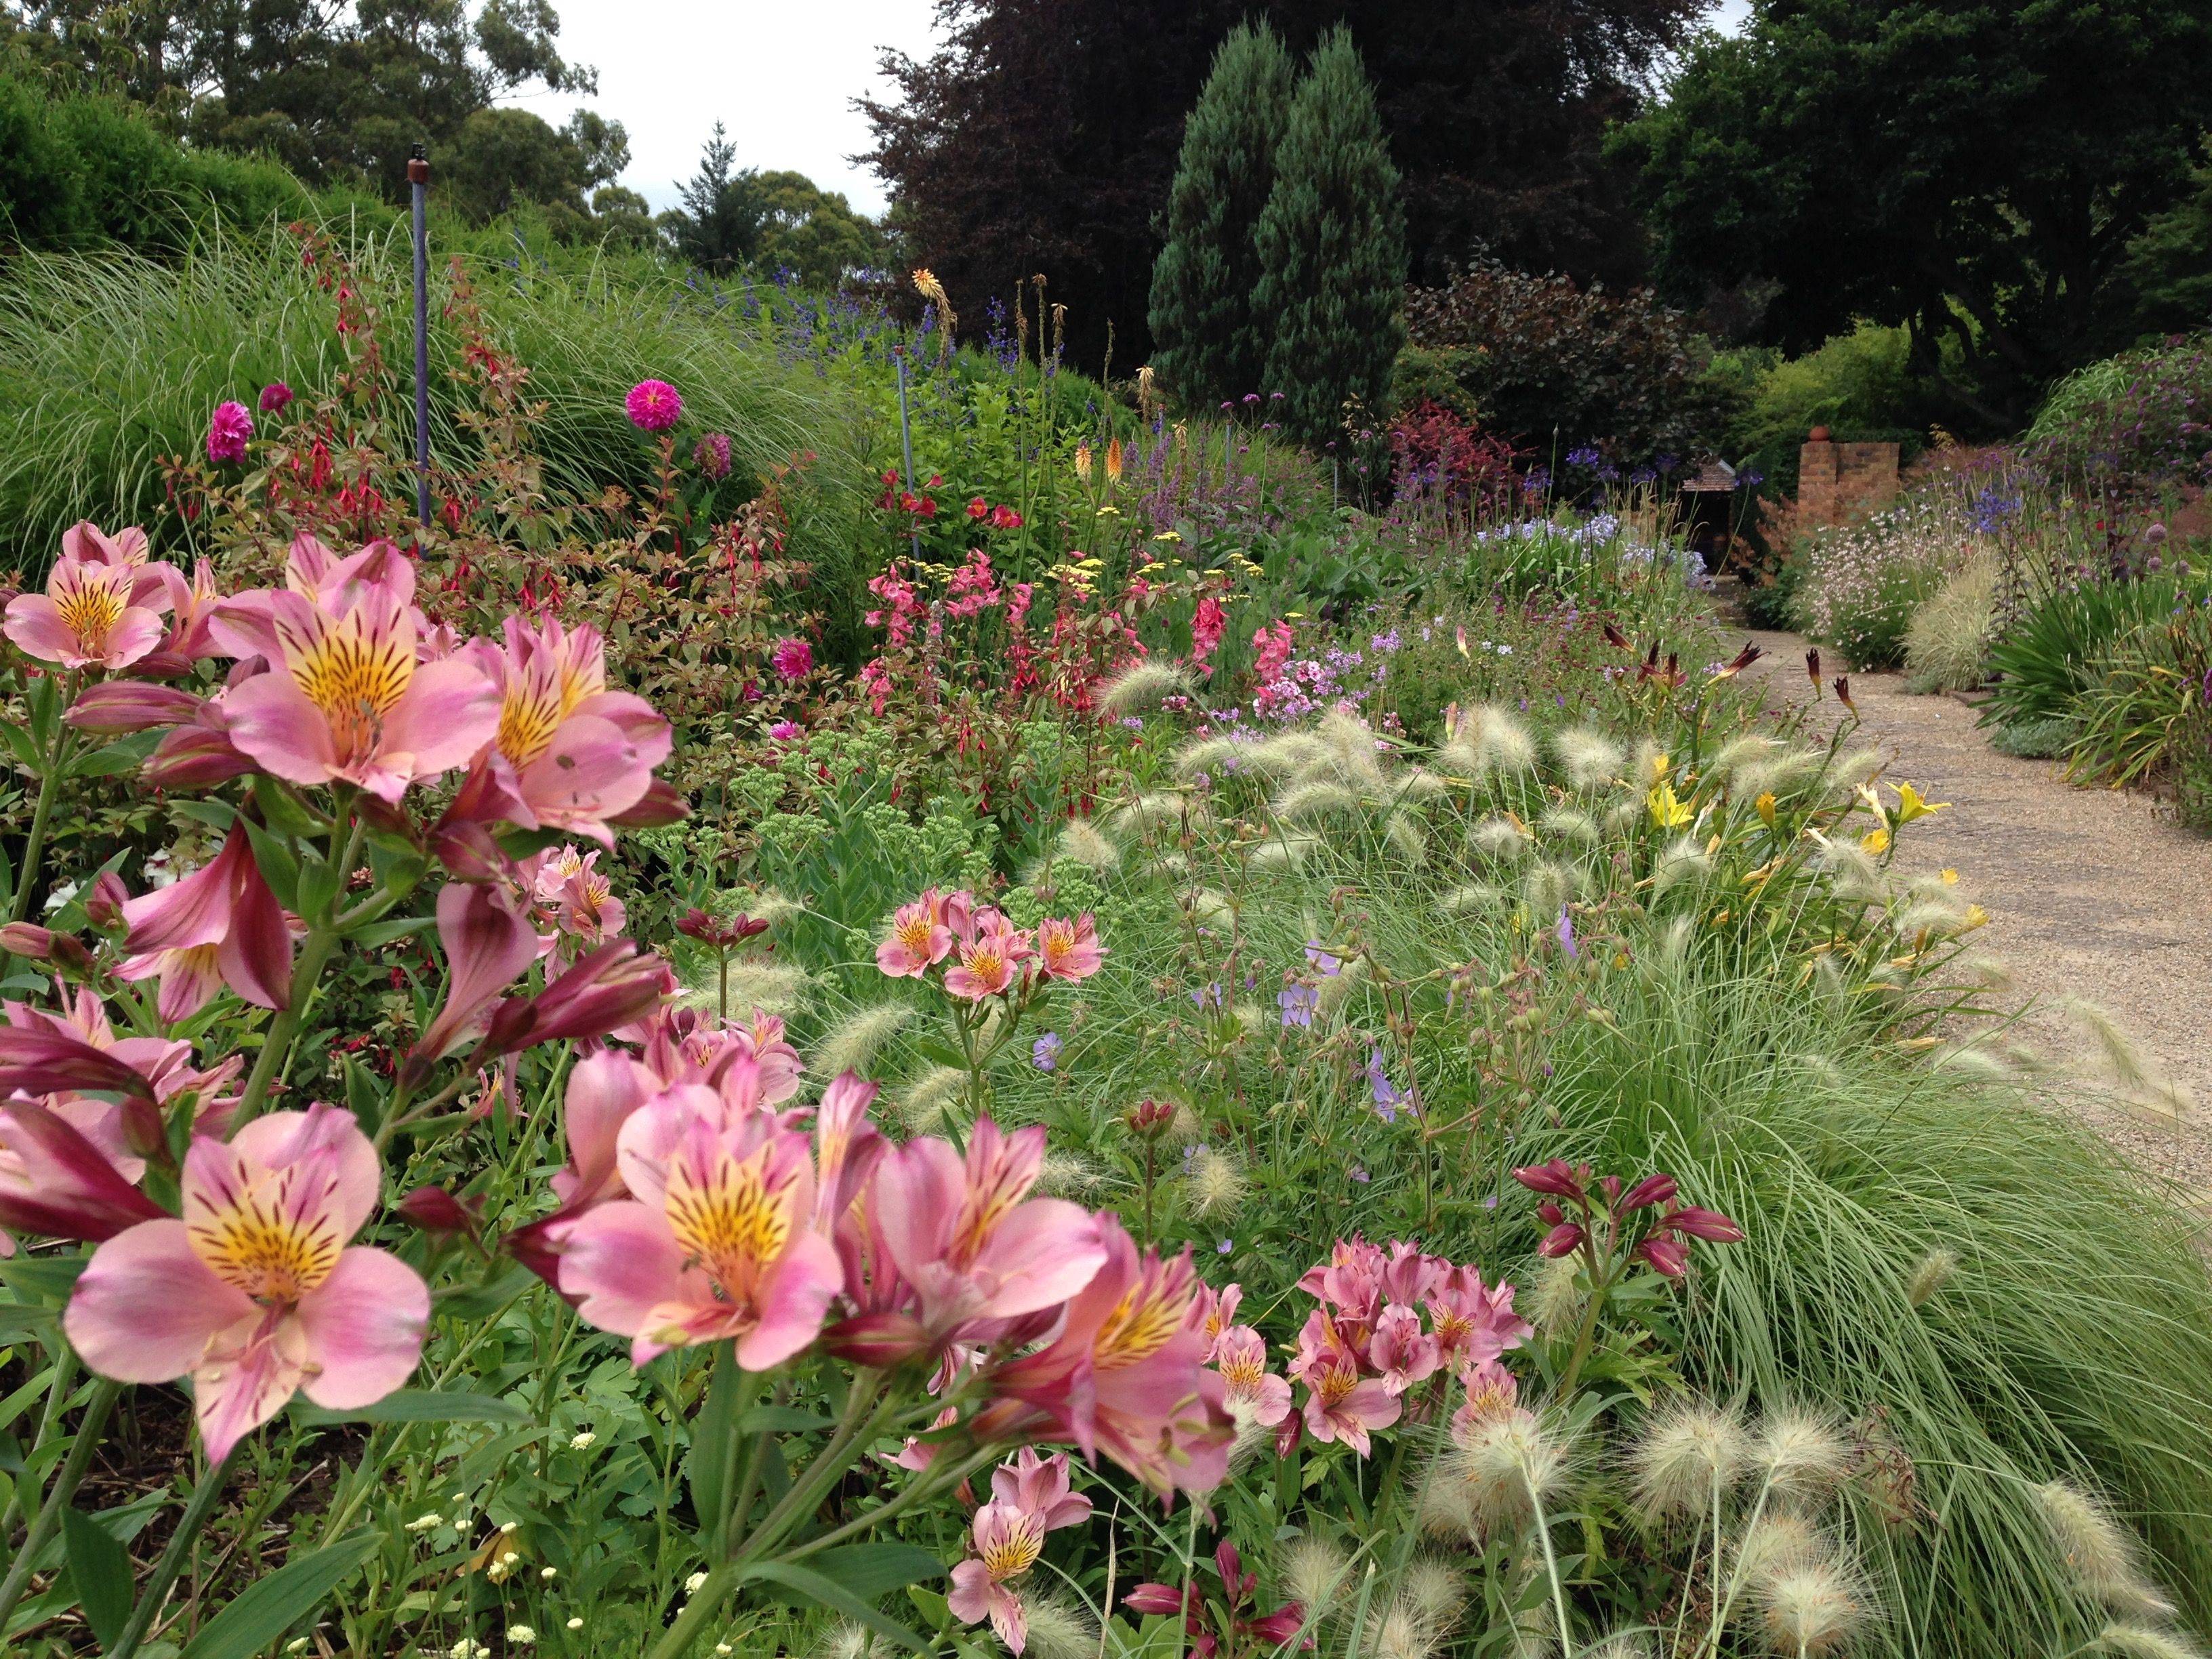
point(1068, 950)
point(220, 925)
point(715, 1245)
point(347, 699)
point(89, 617)
point(653, 406)
point(255, 1294)
point(964, 1233)
point(228, 429)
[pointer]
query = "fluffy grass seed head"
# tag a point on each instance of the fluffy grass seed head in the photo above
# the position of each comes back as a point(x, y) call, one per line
point(1142, 686)
point(1570, 825)
point(1590, 759)
point(1686, 1449)
point(1314, 1571)
point(853, 1043)
point(1083, 841)
point(1555, 1300)
point(1434, 1589)
point(757, 983)
point(1069, 1174)
point(1814, 1609)
point(1470, 898)
point(1060, 1629)
point(1782, 1540)
point(1400, 1634)
point(921, 1104)
point(1216, 1185)
point(1511, 1464)
point(1499, 838)
point(2135, 1641)
point(1803, 1453)
point(1501, 743)
point(1929, 1275)
point(2097, 1549)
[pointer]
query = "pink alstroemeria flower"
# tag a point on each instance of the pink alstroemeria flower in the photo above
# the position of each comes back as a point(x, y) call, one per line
point(990, 953)
point(922, 933)
point(574, 899)
point(1492, 1392)
point(219, 926)
point(487, 942)
point(346, 698)
point(1218, 1312)
point(603, 1091)
point(568, 754)
point(749, 1063)
point(1340, 1403)
point(91, 616)
point(715, 1245)
point(1248, 1388)
point(964, 1233)
point(1402, 1352)
point(1474, 1323)
point(1125, 1374)
point(1030, 1498)
point(1068, 950)
point(255, 1293)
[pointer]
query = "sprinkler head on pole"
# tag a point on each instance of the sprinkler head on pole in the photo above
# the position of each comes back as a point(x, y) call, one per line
point(418, 165)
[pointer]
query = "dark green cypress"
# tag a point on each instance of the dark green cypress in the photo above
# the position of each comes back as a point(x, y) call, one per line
point(1332, 251)
point(1206, 344)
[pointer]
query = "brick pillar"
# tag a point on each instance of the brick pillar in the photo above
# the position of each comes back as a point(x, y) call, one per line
point(1839, 483)
point(1817, 472)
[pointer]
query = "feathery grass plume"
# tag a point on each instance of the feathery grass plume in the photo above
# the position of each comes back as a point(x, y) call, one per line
point(853, 1043)
point(1457, 754)
point(1498, 838)
point(1434, 1589)
point(1685, 1450)
point(844, 1641)
point(1083, 841)
point(1781, 1540)
point(1823, 1069)
point(1853, 768)
point(2133, 1641)
point(1213, 756)
point(1401, 1635)
point(1932, 917)
point(756, 984)
point(1853, 869)
point(1814, 1609)
point(1622, 818)
point(1589, 758)
point(1556, 1298)
point(1351, 748)
point(1622, 1645)
point(1546, 887)
point(1289, 753)
point(1141, 686)
point(1570, 825)
point(1060, 1629)
point(1671, 948)
point(1444, 1510)
point(921, 1104)
point(1802, 1453)
point(1184, 1126)
point(1929, 1275)
point(1747, 750)
point(1315, 798)
point(1251, 1437)
point(1509, 1464)
point(1470, 897)
point(1210, 906)
point(1167, 866)
point(1314, 1571)
point(1974, 1058)
point(1501, 743)
point(1647, 764)
point(1216, 1183)
point(1780, 773)
point(769, 906)
point(1285, 850)
point(2123, 1062)
point(1403, 834)
point(1068, 1174)
point(1985, 969)
point(1535, 1636)
point(1335, 989)
point(2097, 1549)
point(1250, 1018)
point(1418, 783)
point(1162, 809)
point(1685, 860)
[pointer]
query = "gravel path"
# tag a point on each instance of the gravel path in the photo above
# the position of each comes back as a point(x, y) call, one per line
point(2093, 895)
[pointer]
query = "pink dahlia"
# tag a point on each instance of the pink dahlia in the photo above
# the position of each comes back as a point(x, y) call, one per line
point(792, 658)
point(274, 396)
point(228, 429)
point(711, 454)
point(653, 406)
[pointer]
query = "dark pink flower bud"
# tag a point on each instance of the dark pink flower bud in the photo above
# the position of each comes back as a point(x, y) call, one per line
point(1666, 1256)
point(69, 1189)
point(1563, 1240)
point(26, 938)
point(434, 1210)
point(877, 1341)
point(1709, 1225)
point(196, 756)
point(1550, 1213)
point(1556, 1178)
point(608, 989)
point(131, 705)
point(1159, 1600)
point(103, 906)
point(1652, 1190)
point(1611, 1184)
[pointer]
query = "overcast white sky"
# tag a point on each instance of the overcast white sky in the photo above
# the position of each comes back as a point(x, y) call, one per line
point(781, 75)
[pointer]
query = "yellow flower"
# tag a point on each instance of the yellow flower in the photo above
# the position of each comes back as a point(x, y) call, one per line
point(1169, 536)
point(1976, 915)
point(1666, 811)
point(1950, 877)
point(1765, 805)
point(1083, 462)
point(1912, 804)
point(1875, 842)
point(1109, 512)
point(1872, 800)
point(1658, 768)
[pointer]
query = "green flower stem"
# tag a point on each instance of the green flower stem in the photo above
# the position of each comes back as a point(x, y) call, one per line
point(323, 935)
point(197, 1509)
point(50, 1515)
point(35, 843)
point(58, 1393)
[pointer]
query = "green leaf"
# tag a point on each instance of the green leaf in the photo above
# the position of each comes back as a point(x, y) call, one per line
point(53, 1276)
point(780, 1420)
point(280, 868)
point(282, 811)
point(319, 882)
point(126, 754)
point(268, 1607)
point(22, 1321)
point(99, 1568)
point(874, 1570)
point(481, 1301)
point(712, 1436)
point(218, 815)
point(817, 1587)
point(422, 1405)
point(383, 932)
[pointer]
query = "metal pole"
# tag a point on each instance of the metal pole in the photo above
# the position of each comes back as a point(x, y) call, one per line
point(418, 182)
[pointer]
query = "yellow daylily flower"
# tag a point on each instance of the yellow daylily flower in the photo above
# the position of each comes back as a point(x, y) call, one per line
point(1950, 877)
point(1873, 799)
point(1975, 916)
point(1911, 804)
point(1668, 811)
point(1765, 806)
point(1658, 768)
point(1875, 842)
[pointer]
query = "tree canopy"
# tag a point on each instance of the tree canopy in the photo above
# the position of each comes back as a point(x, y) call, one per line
point(730, 217)
point(1974, 169)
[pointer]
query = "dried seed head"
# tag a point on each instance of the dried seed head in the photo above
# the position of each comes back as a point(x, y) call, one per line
point(921, 1106)
point(1780, 1542)
point(1555, 1300)
point(1315, 1571)
point(1570, 825)
point(1510, 1464)
point(1434, 1590)
point(1216, 1183)
point(1083, 841)
point(853, 1043)
point(1403, 1636)
point(1141, 686)
point(1060, 1629)
point(1932, 1273)
point(1069, 1174)
point(1470, 898)
point(1686, 1450)
point(2097, 1549)
point(1590, 758)
point(1802, 1453)
point(2133, 1641)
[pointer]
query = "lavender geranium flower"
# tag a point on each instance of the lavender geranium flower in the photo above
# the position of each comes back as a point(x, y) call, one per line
point(1044, 1053)
point(1323, 962)
point(1297, 1003)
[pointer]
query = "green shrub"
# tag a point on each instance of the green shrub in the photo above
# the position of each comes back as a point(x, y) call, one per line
point(1861, 386)
point(1946, 643)
point(2046, 658)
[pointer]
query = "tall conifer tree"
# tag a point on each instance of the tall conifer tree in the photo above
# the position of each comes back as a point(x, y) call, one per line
point(1332, 244)
point(1207, 344)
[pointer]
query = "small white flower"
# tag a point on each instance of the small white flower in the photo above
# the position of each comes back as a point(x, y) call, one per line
point(521, 1636)
point(548, 1574)
point(424, 1522)
point(61, 895)
point(694, 1584)
point(507, 1527)
point(461, 1499)
point(297, 1644)
point(581, 1441)
point(575, 1624)
point(725, 1649)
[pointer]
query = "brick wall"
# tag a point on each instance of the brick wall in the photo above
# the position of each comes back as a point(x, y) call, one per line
point(1839, 483)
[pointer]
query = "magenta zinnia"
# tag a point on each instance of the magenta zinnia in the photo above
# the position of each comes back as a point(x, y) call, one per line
point(653, 406)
